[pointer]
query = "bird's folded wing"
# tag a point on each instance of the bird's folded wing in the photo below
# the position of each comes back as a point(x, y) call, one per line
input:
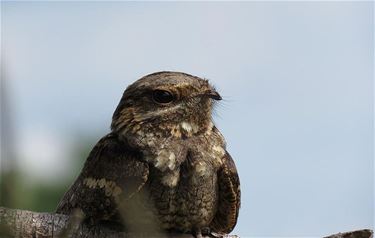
point(112, 174)
point(229, 197)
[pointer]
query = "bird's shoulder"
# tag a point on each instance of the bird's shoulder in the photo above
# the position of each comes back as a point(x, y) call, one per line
point(112, 172)
point(113, 159)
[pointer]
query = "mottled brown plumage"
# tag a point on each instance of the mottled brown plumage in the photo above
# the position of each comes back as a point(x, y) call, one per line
point(164, 166)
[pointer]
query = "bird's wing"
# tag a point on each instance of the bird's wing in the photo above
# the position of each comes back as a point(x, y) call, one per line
point(112, 174)
point(229, 197)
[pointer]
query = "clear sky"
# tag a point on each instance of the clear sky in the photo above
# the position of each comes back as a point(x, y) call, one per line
point(297, 79)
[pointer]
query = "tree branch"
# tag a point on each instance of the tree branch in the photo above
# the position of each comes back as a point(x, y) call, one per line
point(366, 233)
point(21, 223)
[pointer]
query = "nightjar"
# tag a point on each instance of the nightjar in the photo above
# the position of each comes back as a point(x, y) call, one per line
point(164, 165)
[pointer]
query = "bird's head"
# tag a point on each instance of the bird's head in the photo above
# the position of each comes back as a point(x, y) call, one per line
point(165, 104)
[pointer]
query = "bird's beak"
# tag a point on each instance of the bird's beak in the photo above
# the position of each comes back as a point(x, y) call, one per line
point(213, 94)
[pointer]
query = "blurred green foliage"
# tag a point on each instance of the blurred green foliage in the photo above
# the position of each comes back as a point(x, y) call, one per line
point(16, 192)
point(21, 192)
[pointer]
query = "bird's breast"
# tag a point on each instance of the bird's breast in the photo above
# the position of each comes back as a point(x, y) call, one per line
point(183, 181)
point(192, 202)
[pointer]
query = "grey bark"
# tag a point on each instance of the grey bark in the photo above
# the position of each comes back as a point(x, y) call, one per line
point(365, 233)
point(21, 223)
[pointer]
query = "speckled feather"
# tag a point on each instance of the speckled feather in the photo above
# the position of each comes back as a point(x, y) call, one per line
point(163, 166)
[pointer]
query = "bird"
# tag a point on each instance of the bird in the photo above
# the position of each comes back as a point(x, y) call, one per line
point(164, 166)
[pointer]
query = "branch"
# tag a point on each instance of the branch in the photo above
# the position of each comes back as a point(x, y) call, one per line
point(366, 233)
point(21, 223)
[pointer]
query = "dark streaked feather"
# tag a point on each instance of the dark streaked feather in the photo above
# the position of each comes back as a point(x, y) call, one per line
point(117, 166)
point(229, 197)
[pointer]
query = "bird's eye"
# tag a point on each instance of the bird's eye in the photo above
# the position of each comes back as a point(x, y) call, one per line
point(162, 96)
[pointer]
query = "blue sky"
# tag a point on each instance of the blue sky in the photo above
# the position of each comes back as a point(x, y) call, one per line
point(297, 79)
